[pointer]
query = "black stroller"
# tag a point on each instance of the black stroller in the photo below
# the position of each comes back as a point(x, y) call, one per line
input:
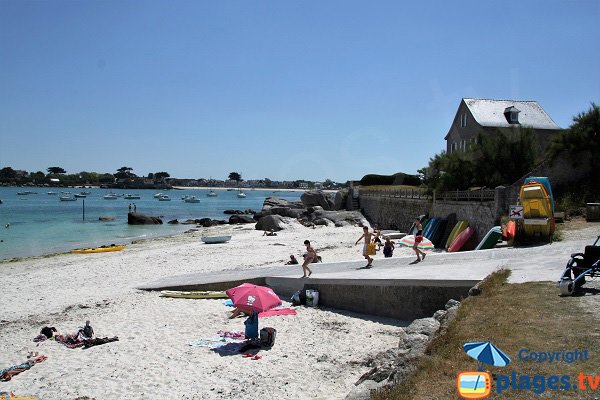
point(580, 266)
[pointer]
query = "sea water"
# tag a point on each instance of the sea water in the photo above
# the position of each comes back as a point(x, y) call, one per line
point(39, 223)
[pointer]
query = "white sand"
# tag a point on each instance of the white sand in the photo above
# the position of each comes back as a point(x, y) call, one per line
point(317, 354)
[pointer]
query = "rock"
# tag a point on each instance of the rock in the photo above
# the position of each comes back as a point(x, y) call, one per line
point(106, 218)
point(317, 198)
point(274, 222)
point(440, 314)
point(424, 326)
point(233, 212)
point(352, 217)
point(452, 303)
point(189, 222)
point(339, 202)
point(322, 221)
point(278, 202)
point(341, 224)
point(173, 222)
point(241, 219)
point(287, 212)
point(141, 219)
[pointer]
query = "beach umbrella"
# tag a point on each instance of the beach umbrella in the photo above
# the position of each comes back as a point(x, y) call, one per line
point(248, 298)
point(487, 353)
point(409, 240)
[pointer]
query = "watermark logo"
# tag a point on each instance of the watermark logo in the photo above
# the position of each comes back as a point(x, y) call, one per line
point(474, 385)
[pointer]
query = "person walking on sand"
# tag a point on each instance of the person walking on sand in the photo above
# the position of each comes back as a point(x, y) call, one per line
point(311, 255)
point(418, 239)
point(367, 236)
point(388, 248)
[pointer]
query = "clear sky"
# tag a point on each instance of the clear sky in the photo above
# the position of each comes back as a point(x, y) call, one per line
point(275, 89)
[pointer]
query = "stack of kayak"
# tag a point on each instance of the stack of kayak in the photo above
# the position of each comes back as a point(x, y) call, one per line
point(538, 208)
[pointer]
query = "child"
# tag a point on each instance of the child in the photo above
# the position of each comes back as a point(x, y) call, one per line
point(311, 256)
point(388, 248)
point(367, 236)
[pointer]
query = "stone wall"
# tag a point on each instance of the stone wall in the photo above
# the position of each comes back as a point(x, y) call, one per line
point(393, 213)
point(481, 215)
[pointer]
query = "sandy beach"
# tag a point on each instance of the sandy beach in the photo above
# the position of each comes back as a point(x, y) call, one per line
point(318, 353)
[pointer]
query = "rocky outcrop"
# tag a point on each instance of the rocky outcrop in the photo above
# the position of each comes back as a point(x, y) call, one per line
point(241, 219)
point(393, 366)
point(341, 197)
point(352, 217)
point(317, 198)
point(239, 212)
point(174, 222)
point(271, 202)
point(141, 219)
point(105, 218)
point(270, 222)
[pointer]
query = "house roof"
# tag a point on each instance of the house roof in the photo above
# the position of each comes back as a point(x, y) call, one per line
point(491, 113)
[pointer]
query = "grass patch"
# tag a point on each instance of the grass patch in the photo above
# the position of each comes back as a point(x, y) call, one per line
point(512, 316)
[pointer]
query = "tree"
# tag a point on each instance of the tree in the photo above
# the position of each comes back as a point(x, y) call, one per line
point(582, 137)
point(161, 175)
point(37, 177)
point(125, 173)
point(7, 174)
point(235, 176)
point(268, 182)
point(328, 183)
point(56, 170)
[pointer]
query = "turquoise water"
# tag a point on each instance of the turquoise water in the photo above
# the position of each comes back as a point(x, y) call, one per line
point(42, 224)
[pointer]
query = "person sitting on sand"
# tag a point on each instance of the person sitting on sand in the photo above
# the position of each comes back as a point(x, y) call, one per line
point(388, 248)
point(311, 255)
point(367, 236)
point(236, 313)
point(292, 261)
point(270, 233)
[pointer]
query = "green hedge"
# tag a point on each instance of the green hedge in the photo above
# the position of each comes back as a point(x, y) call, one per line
point(397, 179)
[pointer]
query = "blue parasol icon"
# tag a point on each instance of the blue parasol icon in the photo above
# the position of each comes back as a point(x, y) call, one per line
point(487, 353)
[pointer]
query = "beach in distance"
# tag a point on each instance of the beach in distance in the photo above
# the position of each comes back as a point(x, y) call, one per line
point(318, 353)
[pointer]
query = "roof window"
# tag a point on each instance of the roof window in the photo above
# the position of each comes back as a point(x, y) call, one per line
point(512, 114)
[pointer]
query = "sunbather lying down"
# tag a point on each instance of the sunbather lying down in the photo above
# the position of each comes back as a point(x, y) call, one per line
point(236, 313)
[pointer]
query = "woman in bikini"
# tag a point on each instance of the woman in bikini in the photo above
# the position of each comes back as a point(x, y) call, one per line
point(418, 239)
point(311, 255)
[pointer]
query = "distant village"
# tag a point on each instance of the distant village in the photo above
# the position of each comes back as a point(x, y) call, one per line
point(126, 179)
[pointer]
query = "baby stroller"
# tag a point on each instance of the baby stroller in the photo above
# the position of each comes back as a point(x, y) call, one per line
point(578, 267)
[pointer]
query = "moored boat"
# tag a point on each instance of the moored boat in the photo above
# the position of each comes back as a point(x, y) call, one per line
point(132, 197)
point(212, 193)
point(110, 196)
point(164, 197)
point(65, 197)
point(191, 199)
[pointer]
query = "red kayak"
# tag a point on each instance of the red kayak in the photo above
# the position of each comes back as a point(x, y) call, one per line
point(461, 239)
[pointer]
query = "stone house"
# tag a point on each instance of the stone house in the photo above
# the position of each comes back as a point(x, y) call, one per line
point(475, 116)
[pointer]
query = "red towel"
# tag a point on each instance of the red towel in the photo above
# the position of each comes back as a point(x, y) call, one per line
point(277, 311)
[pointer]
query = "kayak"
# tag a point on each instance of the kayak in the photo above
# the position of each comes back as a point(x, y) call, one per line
point(461, 240)
point(104, 249)
point(194, 295)
point(458, 228)
point(491, 239)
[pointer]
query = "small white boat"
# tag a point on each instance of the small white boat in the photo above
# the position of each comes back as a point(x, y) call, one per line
point(25, 193)
point(132, 197)
point(67, 198)
point(211, 194)
point(80, 195)
point(215, 239)
point(158, 195)
point(241, 195)
point(110, 196)
point(164, 197)
point(191, 199)
point(52, 193)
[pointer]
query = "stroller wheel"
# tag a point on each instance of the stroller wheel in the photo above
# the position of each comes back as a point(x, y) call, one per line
point(566, 287)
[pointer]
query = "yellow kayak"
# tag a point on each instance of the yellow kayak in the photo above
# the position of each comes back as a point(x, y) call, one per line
point(194, 295)
point(103, 249)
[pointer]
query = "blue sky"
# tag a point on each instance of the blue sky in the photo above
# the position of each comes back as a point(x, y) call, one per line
point(275, 89)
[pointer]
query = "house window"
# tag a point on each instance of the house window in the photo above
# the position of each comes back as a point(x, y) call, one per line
point(463, 120)
point(514, 117)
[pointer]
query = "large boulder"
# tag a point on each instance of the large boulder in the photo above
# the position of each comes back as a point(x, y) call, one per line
point(272, 201)
point(317, 198)
point(270, 222)
point(339, 203)
point(241, 219)
point(287, 212)
point(339, 217)
point(141, 219)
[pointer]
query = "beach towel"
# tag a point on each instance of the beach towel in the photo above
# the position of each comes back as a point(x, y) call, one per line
point(72, 340)
point(277, 311)
point(7, 373)
point(229, 348)
point(228, 303)
point(236, 335)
